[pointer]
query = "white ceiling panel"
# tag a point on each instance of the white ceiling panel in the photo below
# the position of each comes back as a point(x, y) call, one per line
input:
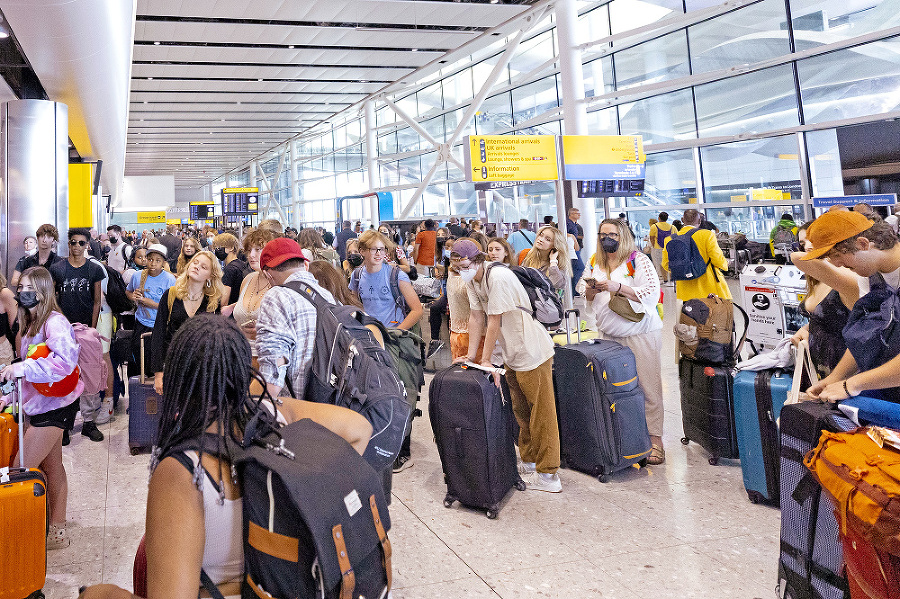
point(342, 11)
point(215, 83)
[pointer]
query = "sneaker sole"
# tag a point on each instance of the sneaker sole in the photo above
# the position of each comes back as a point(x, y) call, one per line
point(405, 466)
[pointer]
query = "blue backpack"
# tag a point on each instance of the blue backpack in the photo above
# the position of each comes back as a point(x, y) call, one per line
point(685, 261)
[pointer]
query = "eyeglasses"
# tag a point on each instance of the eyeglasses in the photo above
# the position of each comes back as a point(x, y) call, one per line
point(610, 235)
point(74, 242)
point(381, 250)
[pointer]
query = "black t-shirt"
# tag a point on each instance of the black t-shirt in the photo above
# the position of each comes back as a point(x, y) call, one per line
point(75, 289)
point(232, 276)
point(167, 324)
point(28, 261)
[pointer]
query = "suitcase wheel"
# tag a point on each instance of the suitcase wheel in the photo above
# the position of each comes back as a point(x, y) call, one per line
point(135, 450)
point(755, 497)
point(685, 440)
point(643, 463)
point(603, 478)
point(713, 461)
point(448, 500)
point(520, 485)
point(492, 512)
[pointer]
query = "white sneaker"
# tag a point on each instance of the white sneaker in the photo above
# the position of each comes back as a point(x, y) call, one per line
point(104, 414)
point(526, 467)
point(56, 537)
point(538, 481)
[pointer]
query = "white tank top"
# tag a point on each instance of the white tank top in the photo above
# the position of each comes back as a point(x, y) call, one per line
point(223, 553)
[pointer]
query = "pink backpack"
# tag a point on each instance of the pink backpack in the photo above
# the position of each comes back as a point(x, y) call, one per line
point(90, 358)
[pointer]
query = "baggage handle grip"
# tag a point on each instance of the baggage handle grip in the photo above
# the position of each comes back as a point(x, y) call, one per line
point(142, 365)
point(566, 314)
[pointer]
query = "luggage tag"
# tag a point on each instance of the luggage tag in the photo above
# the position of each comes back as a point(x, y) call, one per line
point(500, 371)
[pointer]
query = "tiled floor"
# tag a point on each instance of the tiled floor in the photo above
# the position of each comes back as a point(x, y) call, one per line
point(684, 529)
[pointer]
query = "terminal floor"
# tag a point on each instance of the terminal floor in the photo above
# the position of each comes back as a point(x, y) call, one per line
point(684, 529)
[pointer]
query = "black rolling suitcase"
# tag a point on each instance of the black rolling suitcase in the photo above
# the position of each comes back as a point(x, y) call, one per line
point(707, 388)
point(811, 563)
point(600, 407)
point(471, 423)
point(143, 409)
point(707, 408)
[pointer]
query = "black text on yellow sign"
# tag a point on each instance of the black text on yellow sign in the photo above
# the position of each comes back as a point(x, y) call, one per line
point(511, 158)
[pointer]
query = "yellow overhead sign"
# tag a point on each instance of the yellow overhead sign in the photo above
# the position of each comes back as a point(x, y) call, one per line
point(173, 221)
point(240, 190)
point(511, 158)
point(151, 217)
point(603, 157)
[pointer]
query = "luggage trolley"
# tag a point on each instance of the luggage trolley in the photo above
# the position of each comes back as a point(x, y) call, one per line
point(771, 294)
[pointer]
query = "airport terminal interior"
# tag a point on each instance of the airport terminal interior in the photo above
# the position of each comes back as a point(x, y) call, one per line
point(165, 112)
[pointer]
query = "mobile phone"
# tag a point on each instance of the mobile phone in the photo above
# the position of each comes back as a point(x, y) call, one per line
point(251, 321)
point(590, 280)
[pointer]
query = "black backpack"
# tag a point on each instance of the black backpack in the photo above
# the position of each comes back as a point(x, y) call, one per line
point(546, 305)
point(686, 263)
point(350, 369)
point(315, 515)
point(115, 292)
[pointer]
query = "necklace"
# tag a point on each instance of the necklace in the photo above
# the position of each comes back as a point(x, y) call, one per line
point(193, 299)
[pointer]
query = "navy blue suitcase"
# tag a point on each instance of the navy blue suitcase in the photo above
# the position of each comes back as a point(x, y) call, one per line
point(758, 399)
point(811, 561)
point(600, 408)
point(707, 408)
point(471, 421)
point(143, 410)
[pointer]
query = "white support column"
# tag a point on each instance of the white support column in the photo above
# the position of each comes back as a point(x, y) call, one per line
point(295, 185)
point(574, 112)
point(372, 159)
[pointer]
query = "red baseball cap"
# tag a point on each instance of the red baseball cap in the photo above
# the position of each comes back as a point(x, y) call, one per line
point(278, 250)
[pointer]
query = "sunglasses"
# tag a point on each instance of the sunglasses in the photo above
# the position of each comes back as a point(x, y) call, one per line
point(80, 242)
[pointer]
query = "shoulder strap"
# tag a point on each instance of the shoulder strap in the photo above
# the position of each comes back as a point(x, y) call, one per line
point(632, 264)
point(354, 277)
point(395, 290)
point(531, 243)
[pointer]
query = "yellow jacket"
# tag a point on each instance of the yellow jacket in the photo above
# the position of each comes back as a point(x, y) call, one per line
point(712, 281)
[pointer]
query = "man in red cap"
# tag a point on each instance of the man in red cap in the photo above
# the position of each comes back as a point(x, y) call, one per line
point(286, 322)
point(849, 239)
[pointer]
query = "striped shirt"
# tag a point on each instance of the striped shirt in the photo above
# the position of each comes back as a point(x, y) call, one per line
point(286, 328)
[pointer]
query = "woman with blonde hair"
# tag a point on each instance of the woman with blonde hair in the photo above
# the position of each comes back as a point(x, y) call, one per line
point(189, 247)
point(621, 293)
point(550, 255)
point(198, 289)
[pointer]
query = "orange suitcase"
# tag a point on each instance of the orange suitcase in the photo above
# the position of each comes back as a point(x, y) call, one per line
point(23, 529)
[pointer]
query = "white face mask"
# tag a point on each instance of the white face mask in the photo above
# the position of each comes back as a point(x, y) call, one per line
point(468, 274)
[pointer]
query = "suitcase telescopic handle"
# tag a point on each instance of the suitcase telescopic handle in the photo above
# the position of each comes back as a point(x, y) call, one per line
point(577, 314)
point(17, 394)
point(141, 366)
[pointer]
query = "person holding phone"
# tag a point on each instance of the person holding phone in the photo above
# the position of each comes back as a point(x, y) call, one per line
point(550, 255)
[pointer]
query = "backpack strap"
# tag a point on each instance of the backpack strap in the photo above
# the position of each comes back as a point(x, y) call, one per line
point(395, 290)
point(386, 550)
point(709, 264)
point(530, 243)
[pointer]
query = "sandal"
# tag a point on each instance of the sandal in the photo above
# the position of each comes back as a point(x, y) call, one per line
point(657, 455)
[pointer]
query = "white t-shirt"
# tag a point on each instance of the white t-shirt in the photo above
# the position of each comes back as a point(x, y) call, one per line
point(891, 278)
point(525, 342)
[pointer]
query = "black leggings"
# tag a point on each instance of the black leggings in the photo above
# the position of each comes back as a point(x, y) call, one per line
point(436, 315)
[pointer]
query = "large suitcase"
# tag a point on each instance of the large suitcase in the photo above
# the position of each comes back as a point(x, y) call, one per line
point(600, 407)
point(707, 408)
point(758, 399)
point(143, 409)
point(471, 423)
point(811, 560)
point(23, 527)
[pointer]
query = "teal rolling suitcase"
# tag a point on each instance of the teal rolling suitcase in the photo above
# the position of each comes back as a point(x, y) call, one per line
point(758, 398)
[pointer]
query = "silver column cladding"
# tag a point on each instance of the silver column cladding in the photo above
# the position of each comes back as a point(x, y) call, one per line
point(34, 166)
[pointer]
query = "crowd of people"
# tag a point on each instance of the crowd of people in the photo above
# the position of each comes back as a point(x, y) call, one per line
point(220, 324)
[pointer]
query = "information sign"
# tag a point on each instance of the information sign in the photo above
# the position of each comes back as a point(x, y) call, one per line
point(877, 199)
point(201, 210)
point(151, 217)
point(240, 201)
point(511, 158)
point(603, 157)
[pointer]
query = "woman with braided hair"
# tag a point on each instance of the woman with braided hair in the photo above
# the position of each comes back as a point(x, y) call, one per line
point(194, 506)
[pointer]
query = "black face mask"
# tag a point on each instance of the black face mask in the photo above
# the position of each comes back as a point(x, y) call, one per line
point(355, 260)
point(610, 246)
point(27, 299)
point(221, 253)
point(113, 239)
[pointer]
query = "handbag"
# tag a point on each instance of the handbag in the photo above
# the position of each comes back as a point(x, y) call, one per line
point(621, 306)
